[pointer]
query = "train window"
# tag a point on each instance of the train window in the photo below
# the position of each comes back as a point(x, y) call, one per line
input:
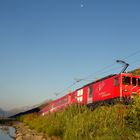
point(90, 91)
point(139, 82)
point(126, 80)
point(116, 81)
point(134, 81)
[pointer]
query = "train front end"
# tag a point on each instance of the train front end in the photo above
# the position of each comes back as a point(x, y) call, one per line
point(130, 86)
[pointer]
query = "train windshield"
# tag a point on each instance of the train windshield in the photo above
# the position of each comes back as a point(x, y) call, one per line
point(126, 80)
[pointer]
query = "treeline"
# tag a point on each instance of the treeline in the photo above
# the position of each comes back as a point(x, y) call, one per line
point(117, 122)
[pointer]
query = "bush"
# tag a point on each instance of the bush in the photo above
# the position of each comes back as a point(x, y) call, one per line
point(132, 119)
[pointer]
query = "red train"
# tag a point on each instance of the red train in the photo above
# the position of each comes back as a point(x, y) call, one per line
point(117, 87)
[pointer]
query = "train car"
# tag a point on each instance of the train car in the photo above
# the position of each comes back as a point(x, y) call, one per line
point(57, 104)
point(119, 87)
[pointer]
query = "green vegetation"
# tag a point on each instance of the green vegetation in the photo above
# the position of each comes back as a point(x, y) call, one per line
point(135, 72)
point(118, 122)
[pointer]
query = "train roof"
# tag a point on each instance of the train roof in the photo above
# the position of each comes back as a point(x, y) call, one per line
point(106, 77)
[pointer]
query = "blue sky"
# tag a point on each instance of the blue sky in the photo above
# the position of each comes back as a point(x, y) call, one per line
point(46, 44)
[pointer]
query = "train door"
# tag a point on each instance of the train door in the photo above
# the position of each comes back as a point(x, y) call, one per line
point(126, 86)
point(134, 85)
point(90, 92)
point(116, 87)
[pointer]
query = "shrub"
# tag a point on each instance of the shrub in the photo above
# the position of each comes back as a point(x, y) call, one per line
point(132, 118)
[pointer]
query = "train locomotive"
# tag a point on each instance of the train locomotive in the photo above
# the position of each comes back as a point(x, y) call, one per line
point(120, 87)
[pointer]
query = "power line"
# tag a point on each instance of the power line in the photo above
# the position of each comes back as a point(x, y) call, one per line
point(115, 68)
point(112, 69)
point(79, 80)
point(108, 66)
point(135, 53)
point(135, 61)
point(62, 91)
point(87, 78)
point(98, 72)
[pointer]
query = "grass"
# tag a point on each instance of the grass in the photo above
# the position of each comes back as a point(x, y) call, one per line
point(118, 122)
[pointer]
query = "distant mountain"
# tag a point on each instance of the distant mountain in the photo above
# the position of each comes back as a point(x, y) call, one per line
point(15, 111)
point(3, 113)
point(21, 109)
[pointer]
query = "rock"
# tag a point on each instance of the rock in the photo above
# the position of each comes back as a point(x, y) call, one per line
point(24, 133)
point(38, 137)
point(28, 137)
point(19, 138)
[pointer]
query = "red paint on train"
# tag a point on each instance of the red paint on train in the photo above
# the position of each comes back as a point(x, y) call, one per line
point(121, 86)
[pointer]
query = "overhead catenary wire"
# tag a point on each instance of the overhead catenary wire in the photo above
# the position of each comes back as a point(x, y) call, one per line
point(64, 90)
point(115, 68)
point(108, 66)
point(130, 55)
point(98, 72)
point(138, 60)
point(83, 79)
